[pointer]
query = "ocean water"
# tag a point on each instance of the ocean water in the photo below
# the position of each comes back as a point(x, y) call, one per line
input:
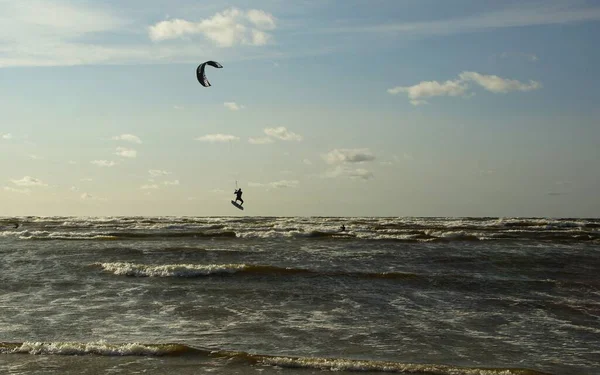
point(293, 295)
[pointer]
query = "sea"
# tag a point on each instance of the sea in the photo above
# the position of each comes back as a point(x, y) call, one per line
point(296, 295)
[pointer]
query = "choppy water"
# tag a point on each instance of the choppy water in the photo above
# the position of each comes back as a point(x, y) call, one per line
point(270, 295)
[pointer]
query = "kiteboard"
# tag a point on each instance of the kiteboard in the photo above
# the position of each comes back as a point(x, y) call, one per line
point(237, 205)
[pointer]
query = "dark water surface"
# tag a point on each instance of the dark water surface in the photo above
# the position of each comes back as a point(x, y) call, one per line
point(270, 295)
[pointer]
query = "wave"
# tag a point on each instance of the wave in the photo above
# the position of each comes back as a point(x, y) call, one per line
point(197, 270)
point(315, 228)
point(470, 282)
point(315, 363)
point(97, 348)
point(93, 235)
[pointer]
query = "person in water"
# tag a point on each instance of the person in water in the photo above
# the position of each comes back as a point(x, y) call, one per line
point(238, 196)
point(342, 228)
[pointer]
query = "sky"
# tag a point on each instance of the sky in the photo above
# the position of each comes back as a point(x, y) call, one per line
point(322, 108)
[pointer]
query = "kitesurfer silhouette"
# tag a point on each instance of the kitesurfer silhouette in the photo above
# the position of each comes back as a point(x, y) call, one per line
point(238, 196)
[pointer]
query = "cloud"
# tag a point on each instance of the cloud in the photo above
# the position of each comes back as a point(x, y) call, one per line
point(126, 152)
point(261, 19)
point(226, 29)
point(357, 155)
point(307, 162)
point(233, 106)
point(461, 87)
point(214, 138)
point(7, 136)
point(39, 37)
point(19, 191)
point(147, 187)
point(172, 183)
point(28, 181)
point(276, 184)
point(528, 56)
point(158, 172)
point(88, 196)
point(426, 89)
point(103, 163)
point(260, 141)
point(496, 84)
point(128, 138)
point(344, 171)
point(518, 15)
point(282, 133)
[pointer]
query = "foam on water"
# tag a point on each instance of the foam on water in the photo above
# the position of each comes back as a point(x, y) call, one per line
point(317, 363)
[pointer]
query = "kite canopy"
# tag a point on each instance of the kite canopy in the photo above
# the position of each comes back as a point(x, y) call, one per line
point(200, 72)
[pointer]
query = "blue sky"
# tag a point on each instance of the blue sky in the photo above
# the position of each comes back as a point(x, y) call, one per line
point(329, 107)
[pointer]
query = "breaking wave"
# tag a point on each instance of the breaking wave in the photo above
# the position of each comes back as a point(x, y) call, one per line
point(315, 363)
point(198, 270)
point(305, 228)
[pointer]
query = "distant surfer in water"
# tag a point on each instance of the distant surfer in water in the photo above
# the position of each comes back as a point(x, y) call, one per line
point(343, 228)
point(238, 196)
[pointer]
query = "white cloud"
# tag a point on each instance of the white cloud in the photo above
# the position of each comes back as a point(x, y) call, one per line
point(282, 133)
point(7, 136)
point(147, 187)
point(48, 33)
point(103, 163)
point(517, 15)
point(87, 179)
point(86, 196)
point(342, 171)
point(233, 106)
point(261, 19)
point(307, 162)
point(19, 191)
point(213, 138)
point(28, 181)
point(276, 184)
point(128, 138)
point(260, 141)
point(226, 29)
point(172, 183)
point(496, 84)
point(360, 173)
point(461, 87)
point(126, 152)
point(357, 155)
point(158, 172)
point(74, 188)
point(427, 89)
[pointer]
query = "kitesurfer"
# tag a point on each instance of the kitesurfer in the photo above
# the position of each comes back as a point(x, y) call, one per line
point(238, 196)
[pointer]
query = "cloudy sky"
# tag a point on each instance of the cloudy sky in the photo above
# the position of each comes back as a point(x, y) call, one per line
point(323, 107)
